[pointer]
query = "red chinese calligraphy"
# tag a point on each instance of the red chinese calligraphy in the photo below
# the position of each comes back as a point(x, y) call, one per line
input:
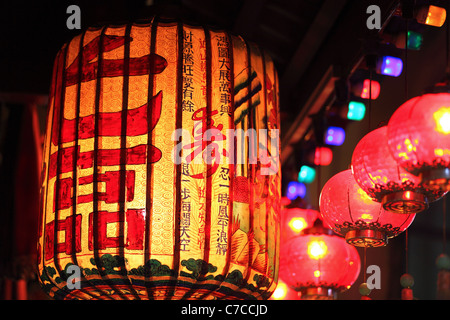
point(110, 183)
point(72, 241)
point(206, 134)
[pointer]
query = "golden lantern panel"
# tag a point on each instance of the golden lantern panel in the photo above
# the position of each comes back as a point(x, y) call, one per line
point(141, 191)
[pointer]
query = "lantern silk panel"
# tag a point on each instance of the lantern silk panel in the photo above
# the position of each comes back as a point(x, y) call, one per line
point(319, 260)
point(346, 209)
point(145, 190)
point(384, 180)
point(418, 133)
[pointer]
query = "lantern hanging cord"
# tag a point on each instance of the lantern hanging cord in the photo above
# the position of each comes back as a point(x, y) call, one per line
point(364, 259)
point(318, 184)
point(406, 251)
point(371, 48)
point(370, 100)
point(444, 231)
point(406, 57)
point(447, 42)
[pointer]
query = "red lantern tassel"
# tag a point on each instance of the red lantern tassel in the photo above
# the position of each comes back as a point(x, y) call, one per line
point(443, 285)
point(407, 294)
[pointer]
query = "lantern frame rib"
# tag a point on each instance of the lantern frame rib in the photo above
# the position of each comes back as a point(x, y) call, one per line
point(116, 203)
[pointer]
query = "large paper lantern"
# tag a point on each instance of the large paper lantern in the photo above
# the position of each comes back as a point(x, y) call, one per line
point(146, 191)
point(351, 213)
point(419, 138)
point(379, 175)
point(318, 264)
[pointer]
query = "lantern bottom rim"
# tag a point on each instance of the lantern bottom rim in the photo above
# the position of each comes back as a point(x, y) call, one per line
point(366, 238)
point(436, 179)
point(317, 293)
point(406, 202)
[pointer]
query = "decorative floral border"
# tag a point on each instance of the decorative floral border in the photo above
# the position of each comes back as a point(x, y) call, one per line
point(156, 277)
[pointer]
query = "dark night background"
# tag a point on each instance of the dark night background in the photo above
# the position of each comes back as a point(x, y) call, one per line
point(311, 41)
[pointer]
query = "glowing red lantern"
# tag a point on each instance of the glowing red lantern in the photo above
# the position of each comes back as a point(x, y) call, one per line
point(351, 213)
point(295, 220)
point(137, 196)
point(284, 292)
point(419, 138)
point(367, 89)
point(318, 264)
point(379, 175)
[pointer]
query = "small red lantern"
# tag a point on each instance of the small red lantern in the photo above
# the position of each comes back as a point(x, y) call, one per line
point(294, 220)
point(318, 264)
point(367, 89)
point(379, 175)
point(419, 138)
point(350, 212)
point(283, 292)
point(323, 156)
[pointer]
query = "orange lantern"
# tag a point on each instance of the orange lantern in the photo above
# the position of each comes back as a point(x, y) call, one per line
point(160, 176)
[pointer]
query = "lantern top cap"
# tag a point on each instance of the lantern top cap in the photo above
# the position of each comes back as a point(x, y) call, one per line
point(317, 228)
point(440, 87)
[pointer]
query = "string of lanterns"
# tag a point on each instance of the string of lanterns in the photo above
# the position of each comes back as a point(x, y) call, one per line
point(396, 170)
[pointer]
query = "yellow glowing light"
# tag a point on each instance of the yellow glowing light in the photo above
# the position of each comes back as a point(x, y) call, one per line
point(366, 216)
point(317, 273)
point(317, 249)
point(297, 224)
point(403, 155)
point(364, 197)
point(404, 179)
point(280, 292)
point(409, 145)
point(441, 152)
point(442, 119)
